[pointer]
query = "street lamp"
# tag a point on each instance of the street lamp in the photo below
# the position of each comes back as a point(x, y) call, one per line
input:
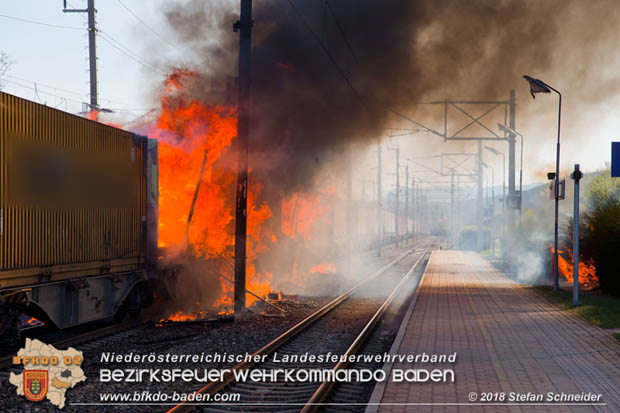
point(510, 130)
point(538, 86)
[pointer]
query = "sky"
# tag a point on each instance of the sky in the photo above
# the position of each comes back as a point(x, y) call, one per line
point(55, 59)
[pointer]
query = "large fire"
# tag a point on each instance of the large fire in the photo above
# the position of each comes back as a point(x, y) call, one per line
point(196, 196)
point(193, 135)
point(587, 271)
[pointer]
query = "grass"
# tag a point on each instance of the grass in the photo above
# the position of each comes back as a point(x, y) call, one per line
point(600, 310)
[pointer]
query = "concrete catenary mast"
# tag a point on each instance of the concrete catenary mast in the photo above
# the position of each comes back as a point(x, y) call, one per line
point(244, 27)
point(92, 47)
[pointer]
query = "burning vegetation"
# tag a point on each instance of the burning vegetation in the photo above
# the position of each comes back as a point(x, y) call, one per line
point(599, 235)
point(587, 271)
point(600, 231)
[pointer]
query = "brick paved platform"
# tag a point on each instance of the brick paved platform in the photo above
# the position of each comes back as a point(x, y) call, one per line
point(508, 338)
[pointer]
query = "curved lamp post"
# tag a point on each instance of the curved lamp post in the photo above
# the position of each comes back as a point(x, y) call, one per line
point(538, 86)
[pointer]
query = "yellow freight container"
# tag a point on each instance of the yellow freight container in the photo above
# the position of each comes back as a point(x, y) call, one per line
point(73, 201)
point(57, 218)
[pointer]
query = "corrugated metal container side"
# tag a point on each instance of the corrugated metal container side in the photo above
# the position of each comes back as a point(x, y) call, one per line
point(73, 195)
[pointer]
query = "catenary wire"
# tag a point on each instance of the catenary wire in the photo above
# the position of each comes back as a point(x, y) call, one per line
point(57, 26)
point(150, 28)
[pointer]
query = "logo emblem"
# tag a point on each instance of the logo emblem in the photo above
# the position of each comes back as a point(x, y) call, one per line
point(35, 384)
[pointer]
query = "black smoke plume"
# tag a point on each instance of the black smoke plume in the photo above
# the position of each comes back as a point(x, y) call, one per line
point(382, 56)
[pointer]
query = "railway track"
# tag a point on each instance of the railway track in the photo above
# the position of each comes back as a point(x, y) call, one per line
point(341, 327)
point(74, 336)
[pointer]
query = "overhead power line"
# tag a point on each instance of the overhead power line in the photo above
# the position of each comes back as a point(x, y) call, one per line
point(129, 53)
point(57, 26)
point(344, 37)
point(35, 89)
point(150, 28)
point(48, 86)
point(327, 52)
point(345, 77)
point(71, 92)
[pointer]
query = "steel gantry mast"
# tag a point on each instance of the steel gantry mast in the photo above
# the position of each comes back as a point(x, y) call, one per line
point(489, 134)
point(453, 164)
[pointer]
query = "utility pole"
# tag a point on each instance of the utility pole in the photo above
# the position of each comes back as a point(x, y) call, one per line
point(244, 27)
point(479, 214)
point(419, 210)
point(413, 198)
point(576, 175)
point(424, 209)
point(92, 47)
point(406, 202)
point(493, 229)
point(491, 207)
point(511, 160)
point(349, 206)
point(487, 191)
point(379, 212)
point(397, 209)
point(413, 207)
point(363, 227)
point(370, 212)
point(452, 210)
point(458, 211)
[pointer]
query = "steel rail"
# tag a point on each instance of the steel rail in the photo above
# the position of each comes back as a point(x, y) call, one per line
point(216, 386)
point(323, 390)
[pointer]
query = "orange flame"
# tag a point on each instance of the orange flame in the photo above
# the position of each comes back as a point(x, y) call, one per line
point(587, 269)
point(302, 212)
point(181, 316)
point(33, 321)
point(94, 115)
point(324, 268)
point(186, 130)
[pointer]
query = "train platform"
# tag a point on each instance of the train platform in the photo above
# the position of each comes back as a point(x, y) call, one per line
point(510, 342)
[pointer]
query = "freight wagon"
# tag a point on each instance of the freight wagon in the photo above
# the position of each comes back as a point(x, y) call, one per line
point(78, 217)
